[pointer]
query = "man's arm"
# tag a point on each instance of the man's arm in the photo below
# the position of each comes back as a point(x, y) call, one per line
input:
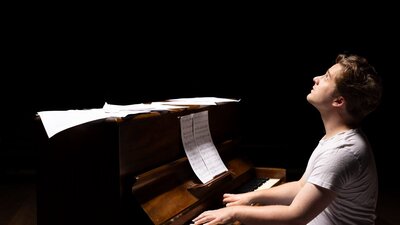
point(279, 195)
point(306, 205)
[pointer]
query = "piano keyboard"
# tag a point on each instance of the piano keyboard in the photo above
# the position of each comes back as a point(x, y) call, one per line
point(254, 185)
point(257, 184)
point(268, 184)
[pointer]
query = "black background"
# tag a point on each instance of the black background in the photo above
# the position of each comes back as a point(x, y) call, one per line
point(70, 60)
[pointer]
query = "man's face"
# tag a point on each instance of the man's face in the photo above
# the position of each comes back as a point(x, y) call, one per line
point(324, 90)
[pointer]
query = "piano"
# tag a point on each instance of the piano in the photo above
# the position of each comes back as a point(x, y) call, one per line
point(134, 170)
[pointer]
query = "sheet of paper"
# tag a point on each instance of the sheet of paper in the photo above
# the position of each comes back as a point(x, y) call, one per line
point(192, 151)
point(57, 121)
point(202, 154)
point(208, 151)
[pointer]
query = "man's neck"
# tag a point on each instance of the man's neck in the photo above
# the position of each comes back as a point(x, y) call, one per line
point(334, 125)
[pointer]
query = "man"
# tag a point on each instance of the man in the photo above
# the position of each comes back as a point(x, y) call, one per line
point(340, 184)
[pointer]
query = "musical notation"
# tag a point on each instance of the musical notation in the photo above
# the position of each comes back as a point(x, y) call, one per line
point(197, 141)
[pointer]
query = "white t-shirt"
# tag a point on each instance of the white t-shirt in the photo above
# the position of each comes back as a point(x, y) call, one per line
point(345, 164)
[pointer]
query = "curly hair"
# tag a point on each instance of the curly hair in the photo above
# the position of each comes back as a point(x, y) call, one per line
point(359, 85)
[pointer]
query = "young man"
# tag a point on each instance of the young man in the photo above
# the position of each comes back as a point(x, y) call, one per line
point(340, 184)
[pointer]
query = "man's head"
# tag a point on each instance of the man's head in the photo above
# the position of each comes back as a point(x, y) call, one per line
point(359, 85)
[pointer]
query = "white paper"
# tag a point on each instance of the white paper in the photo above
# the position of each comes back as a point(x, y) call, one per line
point(192, 151)
point(202, 154)
point(57, 121)
point(208, 151)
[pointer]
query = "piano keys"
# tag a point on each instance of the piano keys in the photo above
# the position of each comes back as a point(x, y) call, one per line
point(258, 183)
point(134, 169)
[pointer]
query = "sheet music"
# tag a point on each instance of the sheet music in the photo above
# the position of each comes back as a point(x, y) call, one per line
point(192, 151)
point(56, 121)
point(202, 154)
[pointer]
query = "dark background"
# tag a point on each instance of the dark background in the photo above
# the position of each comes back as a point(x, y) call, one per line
point(60, 62)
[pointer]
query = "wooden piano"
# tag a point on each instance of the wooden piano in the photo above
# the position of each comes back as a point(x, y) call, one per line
point(134, 170)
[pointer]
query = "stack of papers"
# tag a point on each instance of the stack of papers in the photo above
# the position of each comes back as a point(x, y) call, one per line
point(57, 121)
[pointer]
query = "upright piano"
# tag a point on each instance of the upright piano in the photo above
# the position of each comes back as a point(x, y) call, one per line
point(134, 170)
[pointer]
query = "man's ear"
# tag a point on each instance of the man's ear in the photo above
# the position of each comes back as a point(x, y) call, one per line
point(338, 101)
